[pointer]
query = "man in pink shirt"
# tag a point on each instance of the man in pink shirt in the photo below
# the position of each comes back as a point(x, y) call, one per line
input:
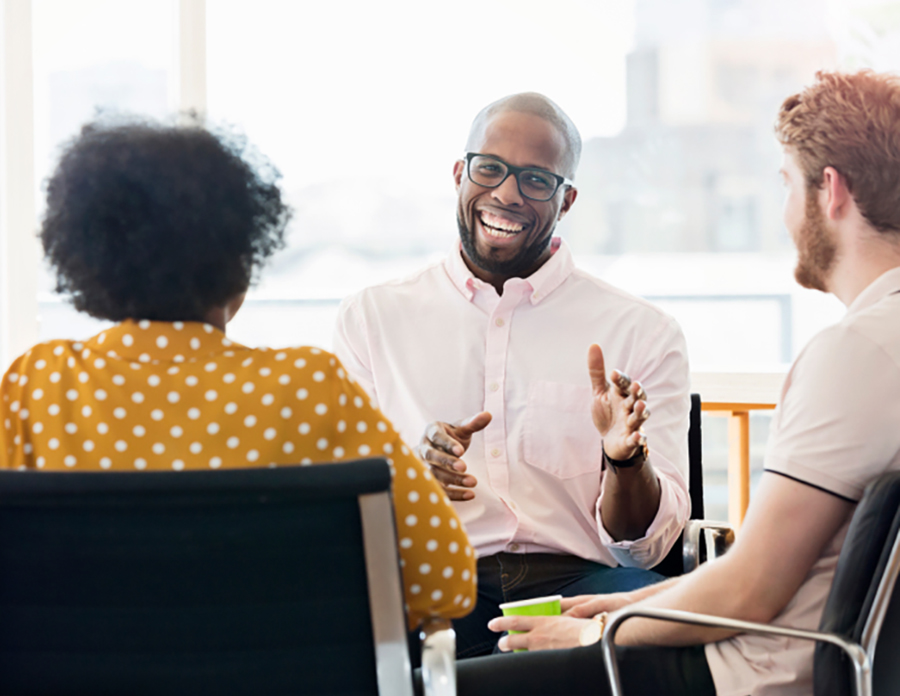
point(496, 339)
point(834, 431)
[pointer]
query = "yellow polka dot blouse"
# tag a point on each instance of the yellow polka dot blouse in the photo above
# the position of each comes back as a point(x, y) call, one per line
point(151, 396)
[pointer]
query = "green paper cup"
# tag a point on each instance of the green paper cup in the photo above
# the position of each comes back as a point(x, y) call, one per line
point(538, 606)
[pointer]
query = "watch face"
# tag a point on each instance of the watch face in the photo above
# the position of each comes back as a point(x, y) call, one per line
point(590, 634)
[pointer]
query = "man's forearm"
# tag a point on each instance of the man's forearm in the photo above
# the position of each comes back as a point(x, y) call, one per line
point(630, 501)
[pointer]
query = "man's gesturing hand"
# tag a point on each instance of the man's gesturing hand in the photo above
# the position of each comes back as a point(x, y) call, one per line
point(619, 409)
point(442, 446)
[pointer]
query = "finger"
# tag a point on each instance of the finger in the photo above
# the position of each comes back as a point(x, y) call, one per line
point(597, 370)
point(514, 623)
point(436, 433)
point(569, 602)
point(520, 641)
point(458, 493)
point(451, 478)
point(468, 427)
point(638, 416)
point(636, 439)
point(637, 390)
point(622, 381)
point(582, 611)
point(436, 457)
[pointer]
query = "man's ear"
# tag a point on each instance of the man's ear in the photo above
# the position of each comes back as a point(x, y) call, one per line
point(568, 200)
point(458, 169)
point(835, 196)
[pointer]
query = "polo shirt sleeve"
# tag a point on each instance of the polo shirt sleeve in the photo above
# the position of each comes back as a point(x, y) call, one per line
point(836, 427)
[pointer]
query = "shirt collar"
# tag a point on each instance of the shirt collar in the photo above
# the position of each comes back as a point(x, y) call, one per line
point(543, 281)
point(886, 284)
point(154, 341)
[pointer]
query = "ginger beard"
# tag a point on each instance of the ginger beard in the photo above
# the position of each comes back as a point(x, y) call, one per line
point(816, 250)
point(518, 266)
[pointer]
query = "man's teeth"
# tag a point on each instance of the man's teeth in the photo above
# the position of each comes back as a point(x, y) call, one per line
point(499, 227)
point(491, 232)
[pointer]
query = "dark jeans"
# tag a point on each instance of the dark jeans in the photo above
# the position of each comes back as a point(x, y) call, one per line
point(580, 672)
point(508, 577)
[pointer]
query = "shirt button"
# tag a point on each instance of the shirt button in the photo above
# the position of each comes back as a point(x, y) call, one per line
point(514, 547)
point(494, 386)
point(495, 452)
point(499, 322)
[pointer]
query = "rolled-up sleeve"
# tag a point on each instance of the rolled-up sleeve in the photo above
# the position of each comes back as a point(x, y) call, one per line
point(662, 368)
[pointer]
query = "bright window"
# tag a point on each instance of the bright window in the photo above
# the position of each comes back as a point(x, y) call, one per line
point(90, 57)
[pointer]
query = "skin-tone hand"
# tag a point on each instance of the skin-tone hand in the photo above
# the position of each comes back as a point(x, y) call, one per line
point(539, 632)
point(630, 495)
point(619, 408)
point(441, 448)
point(586, 606)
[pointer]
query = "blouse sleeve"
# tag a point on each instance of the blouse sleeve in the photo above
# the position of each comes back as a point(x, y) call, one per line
point(437, 561)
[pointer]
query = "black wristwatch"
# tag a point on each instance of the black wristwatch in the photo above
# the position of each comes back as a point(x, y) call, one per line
point(639, 457)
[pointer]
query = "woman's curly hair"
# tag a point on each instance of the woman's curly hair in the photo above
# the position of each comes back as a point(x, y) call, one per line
point(150, 221)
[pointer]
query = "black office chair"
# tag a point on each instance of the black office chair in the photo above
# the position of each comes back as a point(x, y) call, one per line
point(702, 539)
point(262, 581)
point(859, 633)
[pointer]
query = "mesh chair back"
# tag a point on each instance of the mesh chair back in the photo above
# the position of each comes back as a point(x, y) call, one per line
point(226, 582)
point(865, 561)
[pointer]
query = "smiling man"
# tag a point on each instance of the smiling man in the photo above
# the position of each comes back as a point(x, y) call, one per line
point(485, 353)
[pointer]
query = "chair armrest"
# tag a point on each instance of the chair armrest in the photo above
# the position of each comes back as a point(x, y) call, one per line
point(438, 657)
point(861, 664)
point(719, 537)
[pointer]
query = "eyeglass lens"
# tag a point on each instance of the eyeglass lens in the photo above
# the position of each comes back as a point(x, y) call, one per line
point(533, 183)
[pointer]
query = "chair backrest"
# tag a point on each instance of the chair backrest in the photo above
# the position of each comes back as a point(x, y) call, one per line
point(227, 582)
point(695, 460)
point(673, 563)
point(863, 604)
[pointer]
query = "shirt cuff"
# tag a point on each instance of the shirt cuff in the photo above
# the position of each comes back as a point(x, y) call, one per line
point(665, 528)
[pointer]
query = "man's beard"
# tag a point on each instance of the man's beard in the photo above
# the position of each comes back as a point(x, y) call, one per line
point(816, 251)
point(517, 267)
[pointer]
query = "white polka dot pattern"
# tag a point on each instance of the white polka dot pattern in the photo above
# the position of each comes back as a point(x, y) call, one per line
point(153, 396)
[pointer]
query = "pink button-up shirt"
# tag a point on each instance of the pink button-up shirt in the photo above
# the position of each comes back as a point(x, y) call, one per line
point(443, 345)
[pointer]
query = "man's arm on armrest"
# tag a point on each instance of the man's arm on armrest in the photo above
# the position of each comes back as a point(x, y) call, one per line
point(786, 529)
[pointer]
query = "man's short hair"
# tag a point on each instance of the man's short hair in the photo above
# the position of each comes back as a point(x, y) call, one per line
point(849, 121)
point(536, 105)
point(152, 221)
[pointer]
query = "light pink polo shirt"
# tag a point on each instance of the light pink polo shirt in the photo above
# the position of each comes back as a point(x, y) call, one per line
point(442, 345)
point(835, 428)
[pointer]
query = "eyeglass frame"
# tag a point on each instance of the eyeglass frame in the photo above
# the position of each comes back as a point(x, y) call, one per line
point(512, 169)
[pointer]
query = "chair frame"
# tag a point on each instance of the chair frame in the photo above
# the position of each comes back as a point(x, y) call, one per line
point(394, 670)
point(386, 605)
point(861, 654)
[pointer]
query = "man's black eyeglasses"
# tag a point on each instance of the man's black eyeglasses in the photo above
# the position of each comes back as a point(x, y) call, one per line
point(490, 172)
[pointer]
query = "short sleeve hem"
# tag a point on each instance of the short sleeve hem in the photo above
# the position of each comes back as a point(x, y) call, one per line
point(814, 477)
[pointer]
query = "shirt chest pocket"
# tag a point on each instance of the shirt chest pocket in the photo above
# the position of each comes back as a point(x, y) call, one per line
point(560, 437)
